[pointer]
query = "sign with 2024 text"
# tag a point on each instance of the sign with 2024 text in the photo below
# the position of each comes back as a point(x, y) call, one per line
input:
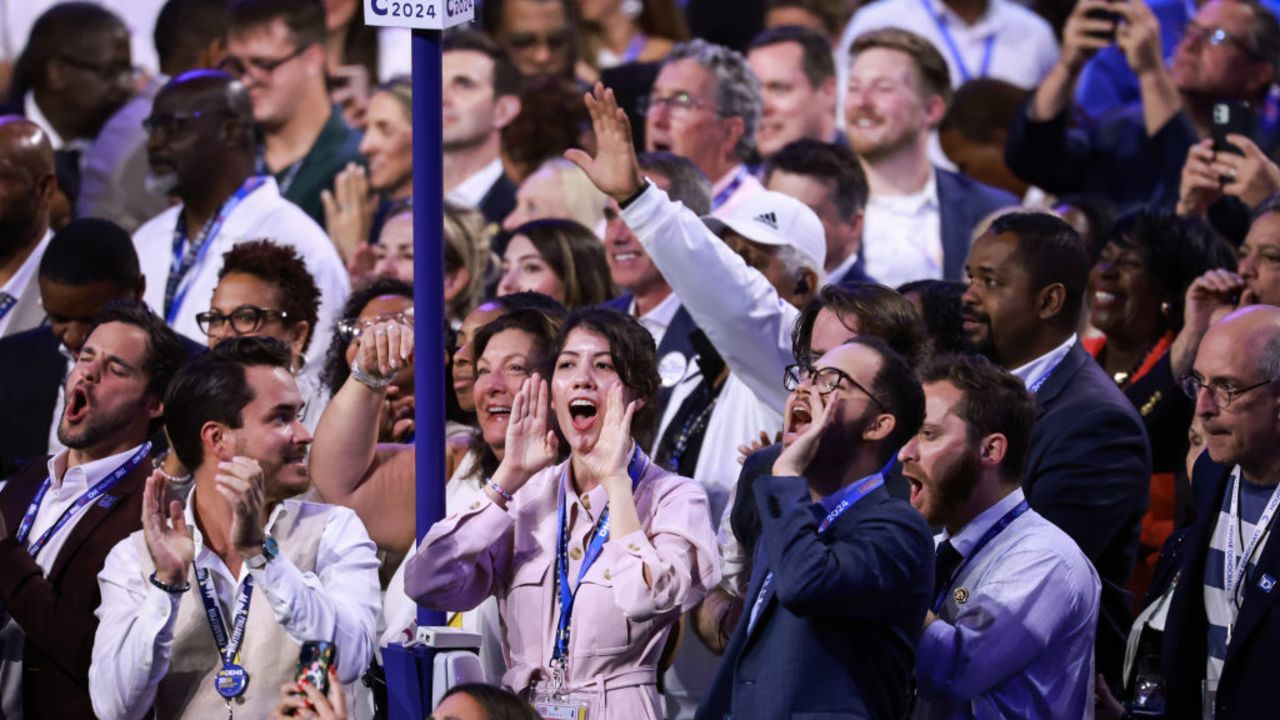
point(422, 14)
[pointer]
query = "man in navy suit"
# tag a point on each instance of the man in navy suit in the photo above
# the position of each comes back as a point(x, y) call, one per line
point(842, 575)
point(87, 264)
point(1089, 467)
point(1230, 563)
point(919, 218)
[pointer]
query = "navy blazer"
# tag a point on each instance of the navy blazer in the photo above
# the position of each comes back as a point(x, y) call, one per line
point(963, 203)
point(1089, 473)
point(677, 339)
point(499, 201)
point(837, 631)
point(1247, 687)
point(33, 370)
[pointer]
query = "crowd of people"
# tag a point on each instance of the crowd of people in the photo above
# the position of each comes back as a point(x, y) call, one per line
point(804, 358)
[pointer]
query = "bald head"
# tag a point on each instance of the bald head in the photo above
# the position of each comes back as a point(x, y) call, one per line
point(24, 144)
point(1252, 333)
point(27, 185)
point(201, 135)
point(1239, 360)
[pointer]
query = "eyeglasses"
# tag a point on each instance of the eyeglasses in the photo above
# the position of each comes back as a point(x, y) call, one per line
point(352, 328)
point(244, 319)
point(1222, 393)
point(238, 68)
point(678, 104)
point(109, 72)
point(1215, 36)
point(825, 380)
point(176, 124)
point(525, 41)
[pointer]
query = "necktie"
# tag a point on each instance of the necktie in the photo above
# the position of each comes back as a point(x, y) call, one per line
point(948, 559)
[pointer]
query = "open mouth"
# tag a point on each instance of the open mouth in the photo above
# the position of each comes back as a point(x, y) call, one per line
point(497, 413)
point(1104, 299)
point(798, 420)
point(582, 413)
point(77, 404)
point(917, 490)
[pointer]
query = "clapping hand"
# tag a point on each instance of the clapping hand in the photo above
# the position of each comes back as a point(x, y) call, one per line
point(349, 209)
point(614, 169)
point(607, 459)
point(164, 527)
point(796, 458)
point(241, 481)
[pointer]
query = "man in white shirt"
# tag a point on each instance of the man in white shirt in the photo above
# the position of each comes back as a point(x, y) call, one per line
point(201, 148)
point(919, 217)
point(797, 88)
point(1001, 39)
point(1014, 606)
point(705, 105)
point(482, 96)
point(27, 187)
point(272, 573)
point(59, 519)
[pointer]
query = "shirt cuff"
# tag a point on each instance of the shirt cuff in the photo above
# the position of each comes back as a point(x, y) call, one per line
point(160, 613)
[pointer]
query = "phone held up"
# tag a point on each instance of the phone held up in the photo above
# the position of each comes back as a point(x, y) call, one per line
point(1235, 117)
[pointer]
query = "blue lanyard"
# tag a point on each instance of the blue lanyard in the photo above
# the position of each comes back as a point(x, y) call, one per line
point(88, 498)
point(636, 469)
point(990, 535)
point(228, 649)
point(1034, 387)
point(7, 303)
point(634, 48)
point(988, 46)
point(180, 276)
point(723, 196)
point(852, 495)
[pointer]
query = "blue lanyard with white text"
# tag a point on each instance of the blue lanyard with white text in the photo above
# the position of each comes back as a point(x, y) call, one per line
point(852, 495)
point(723, 196)
point(636, 469)
point(228, 648)
point(1236, 567)
point(88, 498)
point(990, 535)
point(988, 46)
point(1034, 387)
point(189, 255)
point(7, 303)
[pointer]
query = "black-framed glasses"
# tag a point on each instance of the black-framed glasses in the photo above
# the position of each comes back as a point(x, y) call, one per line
point(243, 320)
point(825, 380)
point(173, 124)
point(350, 329)
point(524, 41)
point(109, 72)
point(1223, 393)
point(1215, 36)
point(238, 68)
point(678, 103)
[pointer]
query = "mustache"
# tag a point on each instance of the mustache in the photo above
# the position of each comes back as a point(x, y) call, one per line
point(974, 316)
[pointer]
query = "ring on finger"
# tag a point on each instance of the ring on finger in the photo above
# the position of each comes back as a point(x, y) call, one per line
point(380, 331)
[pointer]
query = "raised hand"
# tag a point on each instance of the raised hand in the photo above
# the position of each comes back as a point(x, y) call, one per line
point(530, 445)
point(348, 210)
point(1211, 294)
point(607, 459)
point(614, 169)
point(1199, 187)
point(240, 480)
point(384, 348)
point(1252, 177)
point(795, 459)
point(164, 527)
point(745, 450)
point(1085, 33)
point(1139, 36)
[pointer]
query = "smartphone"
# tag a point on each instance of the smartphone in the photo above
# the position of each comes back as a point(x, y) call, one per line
point(1231, 117)
point(1112, 17)
point(313, 664)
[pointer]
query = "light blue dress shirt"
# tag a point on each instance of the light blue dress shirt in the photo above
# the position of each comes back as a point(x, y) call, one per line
point(1020, 645)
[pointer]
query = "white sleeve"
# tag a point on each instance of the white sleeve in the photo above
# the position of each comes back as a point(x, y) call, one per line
point(733, 303)
point(338, 603)
point(134, 638)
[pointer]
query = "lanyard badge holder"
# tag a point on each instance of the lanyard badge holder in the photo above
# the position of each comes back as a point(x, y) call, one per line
point(549, 698)
point(231, 679)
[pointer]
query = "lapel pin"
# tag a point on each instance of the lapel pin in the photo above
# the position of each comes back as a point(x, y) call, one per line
point(961, 596)
point(1266, 583)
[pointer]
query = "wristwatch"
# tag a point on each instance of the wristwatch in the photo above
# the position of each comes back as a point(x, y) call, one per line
point(269, 552)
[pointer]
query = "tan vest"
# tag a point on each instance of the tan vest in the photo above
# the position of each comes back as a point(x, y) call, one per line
point(268, 654)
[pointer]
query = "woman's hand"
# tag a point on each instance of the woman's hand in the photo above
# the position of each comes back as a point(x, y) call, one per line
point(384, 348)
point(795, 459)
point(302, 700)
point(531, 445)
point(1199, 187)
point(349, 209)
point(607, 460)
point(745, 451)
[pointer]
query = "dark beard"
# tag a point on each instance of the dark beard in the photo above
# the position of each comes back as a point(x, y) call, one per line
point(955, 486)
point(98, 428)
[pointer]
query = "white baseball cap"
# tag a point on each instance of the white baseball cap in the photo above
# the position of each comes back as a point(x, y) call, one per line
point(771, 218)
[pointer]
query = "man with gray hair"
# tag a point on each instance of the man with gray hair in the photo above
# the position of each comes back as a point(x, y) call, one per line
point(705, 106)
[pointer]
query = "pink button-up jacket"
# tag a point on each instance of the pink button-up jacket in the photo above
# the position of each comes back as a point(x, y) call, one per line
point(620, 622)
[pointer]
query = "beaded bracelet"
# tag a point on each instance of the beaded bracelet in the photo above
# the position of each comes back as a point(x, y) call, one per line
point(171, 589)
point(364, 378)
point(506, 496)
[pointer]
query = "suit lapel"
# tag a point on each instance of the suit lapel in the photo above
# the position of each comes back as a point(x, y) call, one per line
point(114, 500)
point(1057, 381)
point(952, 226)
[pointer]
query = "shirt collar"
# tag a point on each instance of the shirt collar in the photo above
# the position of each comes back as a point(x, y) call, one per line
point(835, 276)
point(471, 191)
point(27, 270)
point(31, 109)
point(969, 535)
point(189, 513)
point(82, 477)
point(727, 180)
point(661, 314)
point(988, 24)
point(1036, 369)
point(915, 202)
point(830, 502)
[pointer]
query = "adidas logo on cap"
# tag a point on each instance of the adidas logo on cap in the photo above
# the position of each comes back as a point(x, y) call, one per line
point(769, 218)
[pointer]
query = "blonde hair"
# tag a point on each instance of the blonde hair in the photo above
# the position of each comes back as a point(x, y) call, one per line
point(466, 246)
point(585, 203)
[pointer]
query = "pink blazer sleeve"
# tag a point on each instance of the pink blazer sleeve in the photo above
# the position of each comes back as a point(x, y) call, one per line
point(463, 559)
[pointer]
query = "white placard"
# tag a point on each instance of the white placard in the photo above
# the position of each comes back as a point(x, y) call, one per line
point(422, 14)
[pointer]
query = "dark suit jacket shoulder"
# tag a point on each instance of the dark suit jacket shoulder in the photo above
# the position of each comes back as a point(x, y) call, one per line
point(837, 630)
point(1247, 686)
point(34, 368)
point(964, 202)
point(56, 612)
point(498, 203)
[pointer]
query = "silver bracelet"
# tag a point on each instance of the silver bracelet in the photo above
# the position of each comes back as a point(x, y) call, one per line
point(506, 496)
point(367, 380)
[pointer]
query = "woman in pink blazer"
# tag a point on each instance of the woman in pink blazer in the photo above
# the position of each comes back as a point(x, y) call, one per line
point(592, 560)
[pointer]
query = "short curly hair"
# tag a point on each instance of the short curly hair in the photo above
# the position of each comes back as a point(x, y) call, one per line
point(737, 89)
point(282, 267)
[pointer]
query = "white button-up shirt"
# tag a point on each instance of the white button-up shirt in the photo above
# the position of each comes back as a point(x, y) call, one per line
point(659, 317)
point(1038, 370)
point(27, 312)
point(471, 191)
point(902, 236)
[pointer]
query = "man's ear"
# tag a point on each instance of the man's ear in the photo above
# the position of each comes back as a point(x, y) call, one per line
point(992, 449)
point(154, 407)
point(505, 109)
point(217, 441)
point(880, 427)
point(934, 109)
point(736, 127)
point(1051, 300)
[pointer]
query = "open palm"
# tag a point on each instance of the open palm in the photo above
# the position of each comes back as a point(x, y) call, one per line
point(614, 169)
point(530, 445)
point(164, 527)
